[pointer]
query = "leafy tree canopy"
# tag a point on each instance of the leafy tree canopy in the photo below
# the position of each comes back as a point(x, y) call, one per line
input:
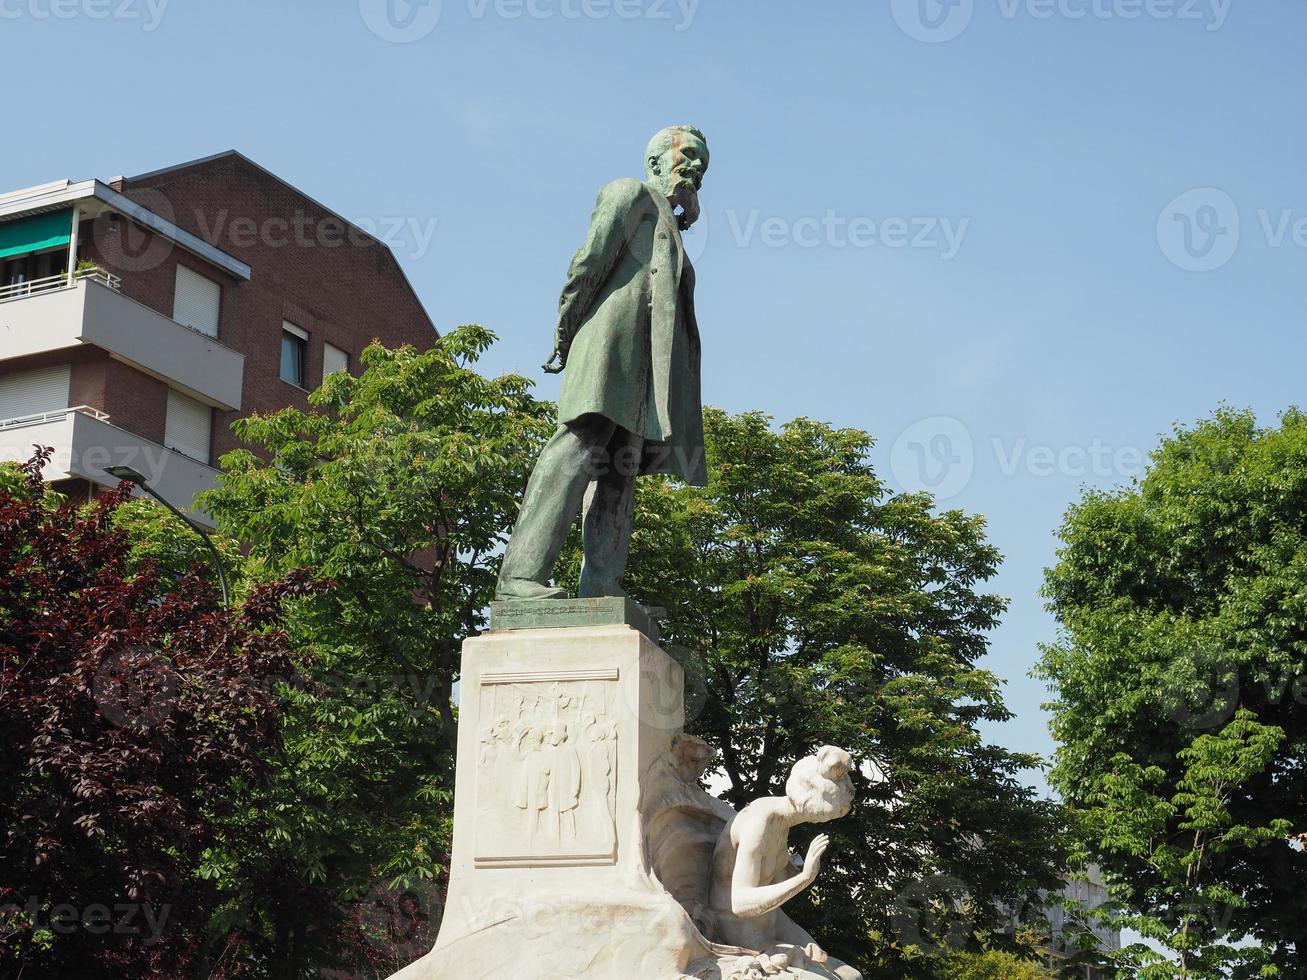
point(991, 965)
point(398, 487)
point(137, 714)
point(1180, 692)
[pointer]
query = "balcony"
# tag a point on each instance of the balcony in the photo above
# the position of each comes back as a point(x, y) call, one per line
point(49, 315)
point(19, 290)
point(85, 442)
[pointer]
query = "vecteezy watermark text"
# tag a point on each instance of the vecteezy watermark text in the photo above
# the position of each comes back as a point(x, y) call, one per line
point(939, 455)
point(148, 12)
point(407, 21)
point(934, 233)
point(936, 21)
point(407, 236)
point(96, 918)
point(136, 249)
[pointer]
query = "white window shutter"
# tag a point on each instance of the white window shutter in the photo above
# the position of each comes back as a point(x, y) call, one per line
point(188, 426)
point(197, 302)
point(34, 392)
point(333, 359)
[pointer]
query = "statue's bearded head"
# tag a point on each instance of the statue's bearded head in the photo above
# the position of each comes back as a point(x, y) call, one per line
point(819, 786)
point(676, 160)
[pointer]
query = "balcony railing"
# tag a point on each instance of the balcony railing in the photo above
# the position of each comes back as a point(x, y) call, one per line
point(54, 415)
point(18, 290)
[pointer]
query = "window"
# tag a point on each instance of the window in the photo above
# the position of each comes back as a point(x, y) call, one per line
point(34, 392)
point(197, 302)
point(294, 351)
point(333, 359)
point(188, 426)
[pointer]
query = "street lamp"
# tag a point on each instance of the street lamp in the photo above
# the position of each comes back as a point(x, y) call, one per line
point(129, 475)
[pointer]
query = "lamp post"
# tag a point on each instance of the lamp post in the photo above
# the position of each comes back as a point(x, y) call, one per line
point(129, 475)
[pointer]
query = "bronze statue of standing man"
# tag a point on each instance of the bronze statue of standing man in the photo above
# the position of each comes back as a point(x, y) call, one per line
point(628, 344)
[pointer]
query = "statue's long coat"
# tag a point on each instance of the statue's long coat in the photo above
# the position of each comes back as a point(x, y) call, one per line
point(627, 330)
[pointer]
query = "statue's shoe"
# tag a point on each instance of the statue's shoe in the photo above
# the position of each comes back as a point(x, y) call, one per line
point(524, 590)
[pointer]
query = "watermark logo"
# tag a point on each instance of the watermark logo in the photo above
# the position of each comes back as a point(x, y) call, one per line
point(129, 247)
point(1202, 229)
point(933, 21)
point(1199, 230)
point(930, 915)
point(670, 697)
point(1201, 699)
point(1202, 691)
point(695, 238)
point(136, 688)
point(935, 454)
point(400, 923)
point(401, 21)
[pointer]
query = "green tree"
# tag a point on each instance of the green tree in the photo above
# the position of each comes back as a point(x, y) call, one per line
point(810, 606)
point(990, 965)
point(1179, 680)
point(397, 487)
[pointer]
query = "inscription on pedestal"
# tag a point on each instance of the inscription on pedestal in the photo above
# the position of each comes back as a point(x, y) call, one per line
point(547, 768)
point(571, 613)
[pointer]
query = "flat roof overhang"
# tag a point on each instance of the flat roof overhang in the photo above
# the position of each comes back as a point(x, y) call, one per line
point(94, 197)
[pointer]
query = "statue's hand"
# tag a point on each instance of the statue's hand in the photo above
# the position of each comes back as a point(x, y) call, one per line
point(555, 363)
point(812, 864)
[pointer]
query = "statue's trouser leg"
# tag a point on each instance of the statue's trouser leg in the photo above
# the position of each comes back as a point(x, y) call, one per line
point(606, 520)
point(553, 497)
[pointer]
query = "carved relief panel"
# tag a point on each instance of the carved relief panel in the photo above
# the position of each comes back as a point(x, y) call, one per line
point(547, 768)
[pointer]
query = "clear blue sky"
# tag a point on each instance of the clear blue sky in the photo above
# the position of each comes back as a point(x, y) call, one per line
point(1046, 344)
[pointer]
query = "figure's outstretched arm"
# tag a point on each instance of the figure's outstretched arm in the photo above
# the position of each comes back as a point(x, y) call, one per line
point(610, 226)
point(749, 898)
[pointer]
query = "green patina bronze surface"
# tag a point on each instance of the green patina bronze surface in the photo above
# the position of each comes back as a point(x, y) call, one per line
point(628, 343)
point(563, 613)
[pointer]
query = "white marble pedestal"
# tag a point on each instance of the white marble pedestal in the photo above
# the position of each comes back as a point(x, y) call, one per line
point(563, 734)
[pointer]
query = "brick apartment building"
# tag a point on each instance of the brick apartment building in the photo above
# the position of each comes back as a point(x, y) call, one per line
point(139, 317)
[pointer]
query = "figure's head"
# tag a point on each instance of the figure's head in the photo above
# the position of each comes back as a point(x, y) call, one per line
point(676, 160)
point(692, 756)
point(557, 733)
point(819, 785)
